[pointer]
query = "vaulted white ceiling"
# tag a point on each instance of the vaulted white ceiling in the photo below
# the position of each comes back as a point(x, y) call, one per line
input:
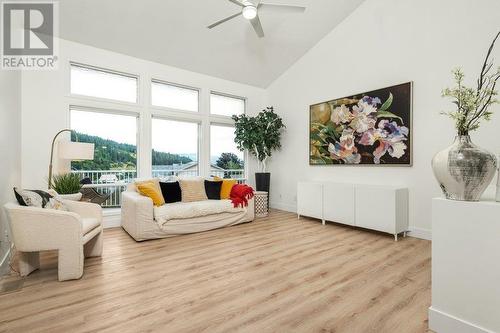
point(173, 32)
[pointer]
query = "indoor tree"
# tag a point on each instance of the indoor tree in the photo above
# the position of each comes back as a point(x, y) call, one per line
point(260, 135)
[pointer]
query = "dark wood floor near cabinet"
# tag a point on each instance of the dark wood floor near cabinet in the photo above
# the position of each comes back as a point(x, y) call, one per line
point(276, 274)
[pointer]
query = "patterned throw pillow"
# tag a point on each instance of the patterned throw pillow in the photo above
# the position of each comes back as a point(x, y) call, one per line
point(32, 198)
point(39, 199)
point(193, 189)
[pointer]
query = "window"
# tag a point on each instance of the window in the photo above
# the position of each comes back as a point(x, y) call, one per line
point(174, 97)
point(225, 159)
point(175, 148)
point(115, 156)
point(100, 83)
point(225, 105)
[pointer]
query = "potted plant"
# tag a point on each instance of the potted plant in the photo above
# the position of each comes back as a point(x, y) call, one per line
point(464, 170)
point(67, 186)
point(260, 135)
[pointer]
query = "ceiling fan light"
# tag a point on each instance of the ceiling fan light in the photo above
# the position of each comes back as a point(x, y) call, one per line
point(249, 12)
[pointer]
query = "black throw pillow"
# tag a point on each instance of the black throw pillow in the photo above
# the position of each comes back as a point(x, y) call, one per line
point(171, 191)
point(212, 188)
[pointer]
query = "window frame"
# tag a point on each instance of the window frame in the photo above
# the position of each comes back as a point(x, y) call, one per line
point(182, 86)
point(223, 124)
point(199, 142)
point(222, 120)
point(144, 111)
point(108, 71)
point(214, 92)
point(115, 112)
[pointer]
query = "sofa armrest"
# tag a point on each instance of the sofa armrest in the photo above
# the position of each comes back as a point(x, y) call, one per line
point(84, 209)
point(136, 210)
point(35, 229)
point(250, 214)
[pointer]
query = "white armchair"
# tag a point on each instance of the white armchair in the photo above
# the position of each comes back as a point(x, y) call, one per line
point(76, 234)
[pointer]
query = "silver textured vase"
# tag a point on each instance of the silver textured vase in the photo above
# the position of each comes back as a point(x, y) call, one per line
point(464, 170)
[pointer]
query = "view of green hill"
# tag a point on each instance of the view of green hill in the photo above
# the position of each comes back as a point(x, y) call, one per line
point(112, 155)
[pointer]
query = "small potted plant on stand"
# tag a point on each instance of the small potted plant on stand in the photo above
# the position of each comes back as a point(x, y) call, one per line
point(465, 170)
point(67, 186)
point(260, 135)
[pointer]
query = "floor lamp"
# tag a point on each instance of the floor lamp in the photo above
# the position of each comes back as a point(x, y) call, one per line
point(68, 150)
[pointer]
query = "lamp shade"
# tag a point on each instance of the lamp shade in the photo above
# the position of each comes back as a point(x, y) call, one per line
point(75, 151)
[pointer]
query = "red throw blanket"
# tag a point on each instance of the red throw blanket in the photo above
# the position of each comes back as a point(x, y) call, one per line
point(240, 194)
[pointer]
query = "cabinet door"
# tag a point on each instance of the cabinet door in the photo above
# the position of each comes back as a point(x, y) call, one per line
point(375, 208)
point(338, 203)
point(310, 199)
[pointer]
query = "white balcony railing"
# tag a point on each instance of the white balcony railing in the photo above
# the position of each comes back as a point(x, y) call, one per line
point(114, 182)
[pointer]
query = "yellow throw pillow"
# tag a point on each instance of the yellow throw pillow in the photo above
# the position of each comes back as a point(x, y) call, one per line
point(227, 185)
point(155, 181)
point(149, 189)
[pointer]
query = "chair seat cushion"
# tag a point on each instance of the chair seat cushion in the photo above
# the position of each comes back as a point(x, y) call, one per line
point(89, 224)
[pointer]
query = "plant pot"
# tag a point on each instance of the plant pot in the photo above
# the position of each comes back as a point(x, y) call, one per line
point(262, 183)
point(464, 170)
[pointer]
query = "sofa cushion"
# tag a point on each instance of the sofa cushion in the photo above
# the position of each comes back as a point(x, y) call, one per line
point(212, 188)
point(89, 224)
point(193, 189)
point(171, 191)
point(187, 210)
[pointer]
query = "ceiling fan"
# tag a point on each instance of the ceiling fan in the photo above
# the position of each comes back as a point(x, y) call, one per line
point(250, 11)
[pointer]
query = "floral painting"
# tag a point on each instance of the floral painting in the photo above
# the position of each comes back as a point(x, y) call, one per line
point(369, 128)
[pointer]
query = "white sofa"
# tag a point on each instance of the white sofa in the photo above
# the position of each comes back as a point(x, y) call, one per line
point(76, 234)
point(139, 221)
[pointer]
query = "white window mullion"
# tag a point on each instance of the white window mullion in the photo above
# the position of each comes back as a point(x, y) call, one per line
point(145, 146)
point(204, 144)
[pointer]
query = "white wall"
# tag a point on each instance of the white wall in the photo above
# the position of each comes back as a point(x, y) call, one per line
point(382, 43)
point(46, 102)
point(10, 151)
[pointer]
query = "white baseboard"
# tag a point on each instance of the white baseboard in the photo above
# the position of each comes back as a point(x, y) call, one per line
point(421, 233)
point(283, 206)
point(4, 261)
point(442, 322)
point(111, 218)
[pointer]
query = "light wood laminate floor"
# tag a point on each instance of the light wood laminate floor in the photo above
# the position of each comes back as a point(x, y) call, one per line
point(276, 274)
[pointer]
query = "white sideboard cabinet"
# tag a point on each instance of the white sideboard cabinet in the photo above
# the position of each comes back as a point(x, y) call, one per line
point(310, 197)
point(338, 203)
point(376, 207)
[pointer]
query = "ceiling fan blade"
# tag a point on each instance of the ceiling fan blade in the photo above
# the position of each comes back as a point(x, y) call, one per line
point(257, 26)
point(237, 2)
point(290, 8)
point(213, 25)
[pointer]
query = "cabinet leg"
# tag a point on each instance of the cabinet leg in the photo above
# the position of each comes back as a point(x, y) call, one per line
point(404, 234)
point(298, 216)
point(323, 222)
point(396, 237)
